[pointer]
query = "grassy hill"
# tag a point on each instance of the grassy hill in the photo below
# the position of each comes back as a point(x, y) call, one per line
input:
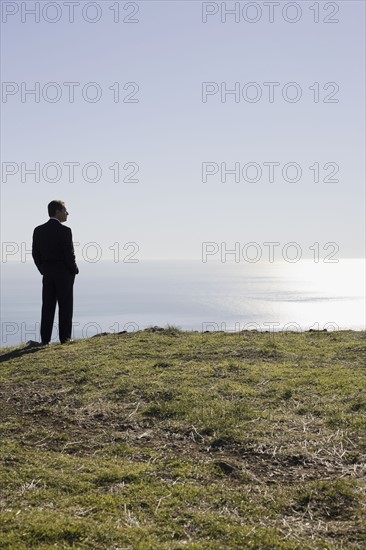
point(167, 440)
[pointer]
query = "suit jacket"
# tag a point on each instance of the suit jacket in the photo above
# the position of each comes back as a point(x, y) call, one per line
point(52, 245)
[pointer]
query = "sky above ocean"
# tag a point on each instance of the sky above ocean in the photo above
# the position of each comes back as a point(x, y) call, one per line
point(170, 124)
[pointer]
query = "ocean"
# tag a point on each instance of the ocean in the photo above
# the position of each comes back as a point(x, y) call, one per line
point(112, 297)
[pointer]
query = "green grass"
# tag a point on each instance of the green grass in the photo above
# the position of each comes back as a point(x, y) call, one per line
point(164, 439)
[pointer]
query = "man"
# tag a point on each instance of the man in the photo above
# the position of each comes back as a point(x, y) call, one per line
point(53, 254)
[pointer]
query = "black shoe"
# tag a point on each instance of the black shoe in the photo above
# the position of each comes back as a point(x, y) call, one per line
point(33, 344)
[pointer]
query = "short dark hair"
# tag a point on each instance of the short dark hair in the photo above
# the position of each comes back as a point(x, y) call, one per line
point(54, 206)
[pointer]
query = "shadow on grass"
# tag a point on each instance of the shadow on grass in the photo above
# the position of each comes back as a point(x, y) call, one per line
point(30, 347)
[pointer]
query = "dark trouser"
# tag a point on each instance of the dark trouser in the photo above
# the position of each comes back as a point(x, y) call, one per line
point(58, 284)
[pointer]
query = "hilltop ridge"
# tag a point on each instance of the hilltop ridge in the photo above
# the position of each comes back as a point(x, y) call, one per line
point(168, 439)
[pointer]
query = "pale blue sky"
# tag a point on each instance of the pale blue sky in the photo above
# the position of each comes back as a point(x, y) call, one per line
point(170, 132)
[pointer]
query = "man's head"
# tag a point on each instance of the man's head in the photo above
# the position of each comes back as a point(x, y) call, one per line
point(57, 209)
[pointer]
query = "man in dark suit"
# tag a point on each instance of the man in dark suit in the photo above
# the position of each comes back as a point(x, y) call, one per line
point(53, 254)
